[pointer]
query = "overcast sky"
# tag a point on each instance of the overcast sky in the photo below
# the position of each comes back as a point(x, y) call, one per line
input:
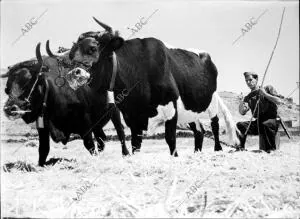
point(207, 25)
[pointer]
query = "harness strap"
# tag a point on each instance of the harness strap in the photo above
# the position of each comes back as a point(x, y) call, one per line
point(40, 119)
point(33, 87)
point(45, 97)
point(114, 72)
point(110, 93)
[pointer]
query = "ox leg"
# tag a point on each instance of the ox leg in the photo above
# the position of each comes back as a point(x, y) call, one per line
point(100, 137)
point(215, 130)
point(198, 136)
point(87, 135)
point(116, 119)
point(136, 139)
point(170, 133)
point(44, 145)
point(89, 143)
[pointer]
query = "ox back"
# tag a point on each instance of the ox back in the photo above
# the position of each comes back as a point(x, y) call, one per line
point(196, 78)
point(162, 75)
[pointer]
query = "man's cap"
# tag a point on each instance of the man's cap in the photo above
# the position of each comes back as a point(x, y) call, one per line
point(248, 73)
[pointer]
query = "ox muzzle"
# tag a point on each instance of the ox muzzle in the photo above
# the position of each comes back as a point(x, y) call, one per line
point(77, 78)
point(15, 108)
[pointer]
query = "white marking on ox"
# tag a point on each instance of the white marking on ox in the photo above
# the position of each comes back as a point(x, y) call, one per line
point(196, 51)
point(77, 78)
point(185, 117)
point(164, 113)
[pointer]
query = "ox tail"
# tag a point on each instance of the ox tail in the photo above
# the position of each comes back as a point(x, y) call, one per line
point(231, 128)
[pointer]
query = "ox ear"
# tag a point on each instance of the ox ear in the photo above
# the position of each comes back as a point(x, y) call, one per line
point(115, 43)
point(4, 75)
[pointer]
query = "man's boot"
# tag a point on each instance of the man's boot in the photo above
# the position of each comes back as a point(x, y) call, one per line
point(242, 139)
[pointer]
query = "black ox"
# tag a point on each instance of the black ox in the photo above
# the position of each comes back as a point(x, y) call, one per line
point(34, 95)
point(154, 74)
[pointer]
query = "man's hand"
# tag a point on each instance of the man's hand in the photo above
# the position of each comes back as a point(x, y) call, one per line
point(270, 97)
point(241, 97)
point(263, 92)
point(243, 108)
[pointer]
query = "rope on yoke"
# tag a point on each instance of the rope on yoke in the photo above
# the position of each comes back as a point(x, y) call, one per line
point(257, 103)
point(60, 80)
point(34, 84)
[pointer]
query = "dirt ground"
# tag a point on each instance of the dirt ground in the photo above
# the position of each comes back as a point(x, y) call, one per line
point(151, 183)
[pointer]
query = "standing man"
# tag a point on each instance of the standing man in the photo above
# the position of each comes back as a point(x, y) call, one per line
point(264, 123)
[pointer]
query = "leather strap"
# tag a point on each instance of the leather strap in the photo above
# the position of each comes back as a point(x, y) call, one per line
point(114, 72)
point(40, 119)
point(46, 96)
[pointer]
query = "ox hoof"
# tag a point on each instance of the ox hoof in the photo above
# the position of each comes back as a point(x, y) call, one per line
point(100, 150)
point(174, 154)
point(94, 151)
point(136, 150)
point(237, 150)
point(42, 164)
point(100, 147)
point(241, 149)
point(197, 151)
point(218, 147)
point(125, 153)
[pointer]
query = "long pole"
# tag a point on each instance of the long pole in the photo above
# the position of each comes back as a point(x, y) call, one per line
point(257, 103)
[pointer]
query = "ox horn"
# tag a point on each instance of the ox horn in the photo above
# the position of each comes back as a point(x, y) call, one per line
point(50, 53)
point(106, 27)
point(38, 54)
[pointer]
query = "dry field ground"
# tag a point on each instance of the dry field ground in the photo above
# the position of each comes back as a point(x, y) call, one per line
point(150, 184)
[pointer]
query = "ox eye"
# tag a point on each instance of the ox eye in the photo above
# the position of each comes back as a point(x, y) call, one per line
point(77, 72)
point(92, 50)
